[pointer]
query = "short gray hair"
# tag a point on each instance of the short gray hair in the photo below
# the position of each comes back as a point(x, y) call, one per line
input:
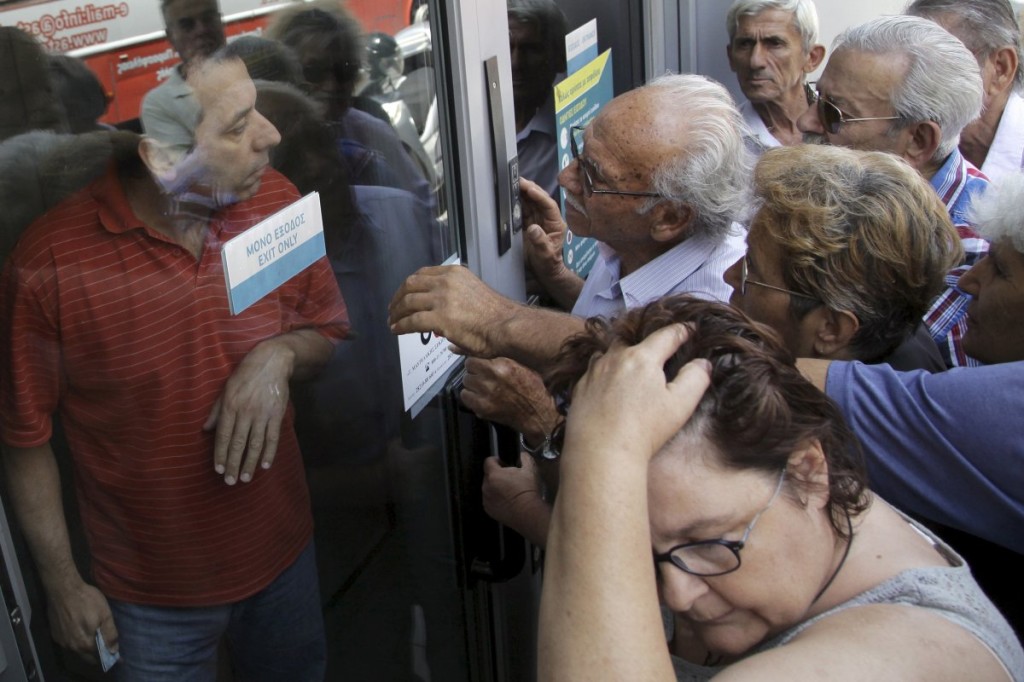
point(713, 176)
point(996, 213)
point(943, 81)
point(984, 26)
point(805, 17)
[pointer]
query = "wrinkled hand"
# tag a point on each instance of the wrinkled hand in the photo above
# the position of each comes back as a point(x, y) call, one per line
point(539, 208)
point(624, 404)
point(452, 302)
point(513, 497)
point(75, 613)
point(247, 416)
point(503, 391)
point(543, 238)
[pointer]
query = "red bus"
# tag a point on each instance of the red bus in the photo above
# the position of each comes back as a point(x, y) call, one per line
point(123, 41)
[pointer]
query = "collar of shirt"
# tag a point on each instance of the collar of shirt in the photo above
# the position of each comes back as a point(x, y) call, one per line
point(543, 121)
point(117, 217)
point(951, 178)
point(757, 127)
point(640, 286)
point(176, 84)
point(1006, 154)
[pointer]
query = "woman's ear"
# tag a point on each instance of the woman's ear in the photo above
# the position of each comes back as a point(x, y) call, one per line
point(808, 471)
point(834, 333)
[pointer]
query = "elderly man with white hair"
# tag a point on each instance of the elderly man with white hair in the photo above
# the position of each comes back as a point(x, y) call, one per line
point(659, 192)
point(995, 141)
point(773, 45)
point(906, 86)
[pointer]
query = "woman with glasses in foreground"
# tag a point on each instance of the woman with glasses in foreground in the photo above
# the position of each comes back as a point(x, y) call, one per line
point(742, 505)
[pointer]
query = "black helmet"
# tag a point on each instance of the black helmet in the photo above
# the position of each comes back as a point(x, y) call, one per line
point(381, 45)
point(383, 56)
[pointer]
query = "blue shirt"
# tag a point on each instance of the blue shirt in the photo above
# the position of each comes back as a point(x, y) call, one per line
point(947, 446)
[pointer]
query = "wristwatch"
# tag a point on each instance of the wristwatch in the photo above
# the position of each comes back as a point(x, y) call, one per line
point(545, 449)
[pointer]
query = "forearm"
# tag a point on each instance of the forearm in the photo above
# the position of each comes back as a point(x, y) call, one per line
point(564, 288)
point(599, 615)
point(535, 522)
point(304, 352)
point(33, 484)
point(533, 336)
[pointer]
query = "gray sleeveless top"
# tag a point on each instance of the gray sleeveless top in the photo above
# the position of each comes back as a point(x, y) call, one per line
point(950, 592)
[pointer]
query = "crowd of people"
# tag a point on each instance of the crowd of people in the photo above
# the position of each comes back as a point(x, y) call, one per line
point(769, 436)
point(855, 250)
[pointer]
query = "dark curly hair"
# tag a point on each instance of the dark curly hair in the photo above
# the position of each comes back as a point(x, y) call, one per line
point(759, 408)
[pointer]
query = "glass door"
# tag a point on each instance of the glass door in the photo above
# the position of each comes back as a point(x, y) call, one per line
point(416, 582)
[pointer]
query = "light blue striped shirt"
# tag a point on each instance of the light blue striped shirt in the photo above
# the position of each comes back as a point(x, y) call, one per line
point(694, 266)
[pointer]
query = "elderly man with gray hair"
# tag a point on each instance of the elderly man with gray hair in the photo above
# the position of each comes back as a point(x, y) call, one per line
point(904, 85)
point(773, 45)
point(660, 193)
point(989, 29)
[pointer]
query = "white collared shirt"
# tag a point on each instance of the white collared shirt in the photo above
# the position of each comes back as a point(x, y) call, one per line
point(1006, 154)
point(757, 127)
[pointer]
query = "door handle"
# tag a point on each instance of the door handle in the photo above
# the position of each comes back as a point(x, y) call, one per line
point(493, 552)
point(511, 547)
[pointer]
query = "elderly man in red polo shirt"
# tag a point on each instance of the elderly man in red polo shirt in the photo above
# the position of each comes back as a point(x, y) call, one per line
point(114, 314)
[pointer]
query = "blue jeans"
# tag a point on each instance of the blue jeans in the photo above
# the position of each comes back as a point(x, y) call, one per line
point(275, 635)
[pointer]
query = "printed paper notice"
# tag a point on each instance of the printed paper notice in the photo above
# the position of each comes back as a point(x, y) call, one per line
point(273, 251)
point(425, 362)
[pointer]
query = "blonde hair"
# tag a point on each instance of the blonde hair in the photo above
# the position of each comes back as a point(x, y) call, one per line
point(860, 232)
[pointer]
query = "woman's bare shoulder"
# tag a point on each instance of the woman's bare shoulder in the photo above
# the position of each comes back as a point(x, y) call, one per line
point(878, 641)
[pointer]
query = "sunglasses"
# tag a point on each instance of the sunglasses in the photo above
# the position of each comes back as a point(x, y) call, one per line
point(832, 117)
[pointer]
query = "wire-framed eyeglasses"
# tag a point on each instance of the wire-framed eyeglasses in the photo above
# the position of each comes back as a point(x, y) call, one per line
point(745, 280)
point(708, 558)
point(832, 117)
point(588, 182)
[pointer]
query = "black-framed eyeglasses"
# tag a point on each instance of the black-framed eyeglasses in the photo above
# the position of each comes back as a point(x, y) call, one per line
point(588, 182)
point(709, 558)
point(832, 117)
point(745, 280)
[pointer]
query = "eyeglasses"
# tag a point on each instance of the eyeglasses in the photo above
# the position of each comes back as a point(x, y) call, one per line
point(832, 117)
point(588, 182)
point(745, 280)
point(709, 558)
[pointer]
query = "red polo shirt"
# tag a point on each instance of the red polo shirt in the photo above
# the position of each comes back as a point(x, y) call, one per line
point(132, 340)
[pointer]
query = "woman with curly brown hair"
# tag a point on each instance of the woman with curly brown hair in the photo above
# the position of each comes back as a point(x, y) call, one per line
point(704, 445)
